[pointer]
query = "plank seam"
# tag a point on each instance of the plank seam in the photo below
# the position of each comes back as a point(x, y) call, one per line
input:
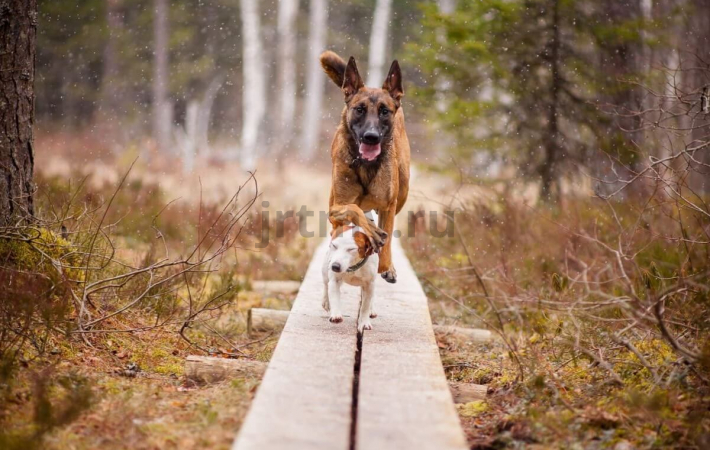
point(356, 390)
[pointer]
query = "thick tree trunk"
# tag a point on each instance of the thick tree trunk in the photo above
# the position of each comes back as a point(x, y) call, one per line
point(315, 81)
point(254, 87)
point(18, 33)
point(288, 10)
point(378, 43)
point(162, 107)
point(548, 170)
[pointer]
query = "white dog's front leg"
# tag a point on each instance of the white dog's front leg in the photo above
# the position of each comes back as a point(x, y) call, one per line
point(326, 303)
point(336, 313)
point(363, 321)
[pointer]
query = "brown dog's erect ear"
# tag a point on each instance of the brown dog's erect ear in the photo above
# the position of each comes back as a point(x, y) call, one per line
point(393, 82)
point(334, 67)
point(352, 82)
point(364, 247)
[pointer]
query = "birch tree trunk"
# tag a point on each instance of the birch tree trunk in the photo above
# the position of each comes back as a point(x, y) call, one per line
point(318, 18)
point(162, 107)
point(288, 10)
point(18, 34)
point(254, 88)
point(378, 43)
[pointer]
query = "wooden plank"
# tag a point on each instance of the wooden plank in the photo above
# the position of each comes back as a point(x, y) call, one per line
point(466, 392)
point(209, 369)
point(275, 286)
point(474, 335)
point(264, 319)
point(403, 400)
point(305, 398)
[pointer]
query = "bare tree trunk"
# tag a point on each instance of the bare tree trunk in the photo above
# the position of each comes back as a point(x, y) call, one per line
point(318, 18)
point(192, 138)
point(109, 91)
point(548, 170)
point(288, 10)
point(205, 112)
point(18, 34)
point(378, 43)
point(162, 107)
point(254, 88)
point(696, 81)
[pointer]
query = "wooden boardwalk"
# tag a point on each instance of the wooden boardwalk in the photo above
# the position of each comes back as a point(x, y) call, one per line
point(324, 389)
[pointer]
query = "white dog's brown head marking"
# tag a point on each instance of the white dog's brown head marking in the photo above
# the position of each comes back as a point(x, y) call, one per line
point(348, 246)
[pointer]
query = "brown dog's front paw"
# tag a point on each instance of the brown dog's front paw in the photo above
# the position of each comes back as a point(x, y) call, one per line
point(379, 239)
point(390, 276)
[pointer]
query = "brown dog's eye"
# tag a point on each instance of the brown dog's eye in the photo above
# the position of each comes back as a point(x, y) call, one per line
point(360, 109)
point(384, 112)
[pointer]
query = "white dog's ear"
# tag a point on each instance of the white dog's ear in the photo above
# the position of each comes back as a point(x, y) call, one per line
point(364, 246)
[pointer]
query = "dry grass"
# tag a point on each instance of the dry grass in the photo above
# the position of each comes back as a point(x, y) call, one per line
point(581, 365)
point(124, 375)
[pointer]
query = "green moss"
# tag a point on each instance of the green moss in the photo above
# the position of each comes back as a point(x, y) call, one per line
point(473, 409)
point(37, 249)
point(170, 368)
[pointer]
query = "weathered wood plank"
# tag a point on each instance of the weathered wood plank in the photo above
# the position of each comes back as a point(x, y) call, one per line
point(474, 335)
point(465, 392)
point(208, 369)
point(264, 319)
point(403, 400)
point(275, 286)
point(305, 398)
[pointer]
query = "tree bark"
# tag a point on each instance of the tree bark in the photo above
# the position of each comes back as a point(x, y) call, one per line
point(378, 43)
point(18, 34)
point(548, 170)
point(318, 18)
point(162, 107)
point(254, 87)
point(288, 10)
point(110, 76)
point(698, 44)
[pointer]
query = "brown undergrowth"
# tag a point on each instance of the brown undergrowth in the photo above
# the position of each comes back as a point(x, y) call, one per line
point(602, 317)
point(107, 292)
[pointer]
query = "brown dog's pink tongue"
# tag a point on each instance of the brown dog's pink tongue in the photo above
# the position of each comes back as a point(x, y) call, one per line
point(369, 151)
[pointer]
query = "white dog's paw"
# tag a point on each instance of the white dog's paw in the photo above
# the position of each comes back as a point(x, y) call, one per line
point(373, 314)
point(336, 318)
point(364, 325)
point(326, 305)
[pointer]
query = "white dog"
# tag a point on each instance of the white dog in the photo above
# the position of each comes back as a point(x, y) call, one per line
point(350, 259)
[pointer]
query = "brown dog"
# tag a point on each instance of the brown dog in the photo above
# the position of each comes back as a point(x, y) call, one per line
point(370, 155)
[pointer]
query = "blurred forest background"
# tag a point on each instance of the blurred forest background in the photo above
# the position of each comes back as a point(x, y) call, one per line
point(505, 88)
point(570, 137)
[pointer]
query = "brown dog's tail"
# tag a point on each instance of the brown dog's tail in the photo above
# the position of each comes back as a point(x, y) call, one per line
point(334, 66)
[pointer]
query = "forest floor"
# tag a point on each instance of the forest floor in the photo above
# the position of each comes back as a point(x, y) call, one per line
point(136, 395)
